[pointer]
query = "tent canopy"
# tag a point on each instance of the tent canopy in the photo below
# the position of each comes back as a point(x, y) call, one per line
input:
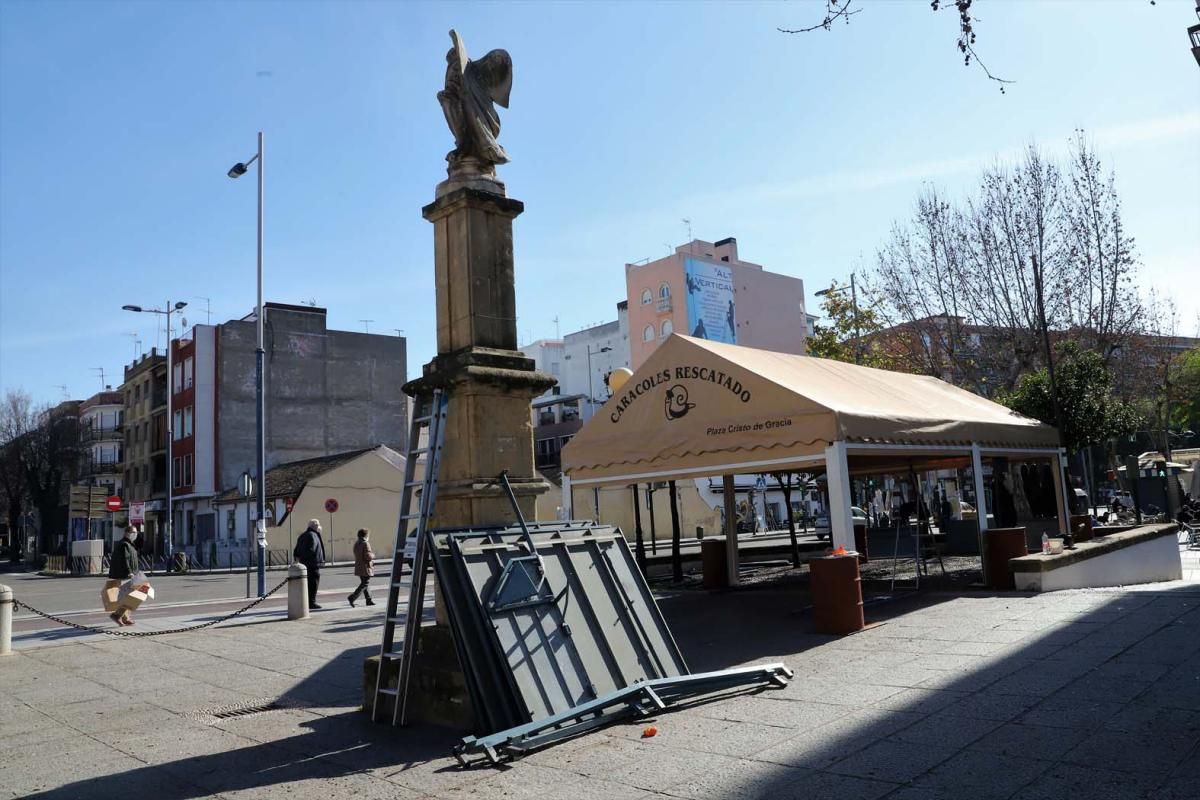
point(697, 405)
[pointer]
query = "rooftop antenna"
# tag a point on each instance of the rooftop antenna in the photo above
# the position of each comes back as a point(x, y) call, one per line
point(366, 325)
point(101, 371)
point(557, 332)
point(688, 223)
point(399, 331)
point(62, 387)
point(207, 309)
point(137, 344)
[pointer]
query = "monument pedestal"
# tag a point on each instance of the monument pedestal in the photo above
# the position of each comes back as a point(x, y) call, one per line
point(489, 428)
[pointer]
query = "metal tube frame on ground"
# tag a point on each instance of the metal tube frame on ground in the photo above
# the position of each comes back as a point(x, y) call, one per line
point(638, 699)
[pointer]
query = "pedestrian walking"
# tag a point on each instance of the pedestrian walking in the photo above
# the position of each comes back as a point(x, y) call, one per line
point(310, 551)
point(122, 564)
point(364, 567)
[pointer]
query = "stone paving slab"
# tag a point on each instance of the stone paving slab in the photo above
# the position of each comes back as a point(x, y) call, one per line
point(1005, 696)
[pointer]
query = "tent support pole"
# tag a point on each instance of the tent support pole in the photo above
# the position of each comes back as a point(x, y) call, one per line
point(1058, 467)
point(980, 503)
point(731, 541)
point(837, 473)
point(568, 501)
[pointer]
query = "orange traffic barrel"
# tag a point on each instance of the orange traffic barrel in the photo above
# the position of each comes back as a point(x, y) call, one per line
point(837, 594)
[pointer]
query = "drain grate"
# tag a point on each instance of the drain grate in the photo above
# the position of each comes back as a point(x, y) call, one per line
point(244, 711)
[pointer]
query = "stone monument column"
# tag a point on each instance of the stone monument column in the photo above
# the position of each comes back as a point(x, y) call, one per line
point(490, 383)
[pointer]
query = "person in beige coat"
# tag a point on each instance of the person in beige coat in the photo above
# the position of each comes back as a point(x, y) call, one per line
point(364, 567)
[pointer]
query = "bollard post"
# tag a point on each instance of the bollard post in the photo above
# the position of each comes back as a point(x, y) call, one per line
point(6, 609)
point(298, 592)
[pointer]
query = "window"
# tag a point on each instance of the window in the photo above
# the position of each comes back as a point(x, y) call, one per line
point(667, 328)
point(177, 471)
point(231, 524)
point(187, 421)
point(648, 334)
point(647, 297)
point(177, 377)
point(177, 426)
point(189, 373)
point(187, 470)
point(664, 292)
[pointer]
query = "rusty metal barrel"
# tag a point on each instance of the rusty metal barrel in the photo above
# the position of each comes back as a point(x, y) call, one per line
point(714, 563)
point(837, 594)
point(1001, 545)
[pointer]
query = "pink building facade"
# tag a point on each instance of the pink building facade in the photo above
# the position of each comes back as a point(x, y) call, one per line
point(703, 289)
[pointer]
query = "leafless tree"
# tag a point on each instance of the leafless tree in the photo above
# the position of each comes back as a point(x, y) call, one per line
point(959, 279)
point(17, 419)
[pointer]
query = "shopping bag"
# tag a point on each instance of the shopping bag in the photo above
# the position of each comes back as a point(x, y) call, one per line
point(109, 596)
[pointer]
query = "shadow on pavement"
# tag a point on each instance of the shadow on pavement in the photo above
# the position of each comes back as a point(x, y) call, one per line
point(954, 696)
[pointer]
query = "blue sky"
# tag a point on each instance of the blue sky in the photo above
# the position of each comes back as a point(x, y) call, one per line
point(118, 122)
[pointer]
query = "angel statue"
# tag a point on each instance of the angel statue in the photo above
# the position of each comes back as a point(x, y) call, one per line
point(471, 89)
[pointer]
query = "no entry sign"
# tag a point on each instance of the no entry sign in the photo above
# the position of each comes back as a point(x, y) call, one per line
point(331, 505)
point(113, 503)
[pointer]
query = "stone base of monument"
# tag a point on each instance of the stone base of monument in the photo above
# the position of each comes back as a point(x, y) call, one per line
point(438, 692)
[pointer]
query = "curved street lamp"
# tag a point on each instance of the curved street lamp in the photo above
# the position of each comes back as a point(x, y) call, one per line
point(236, 171)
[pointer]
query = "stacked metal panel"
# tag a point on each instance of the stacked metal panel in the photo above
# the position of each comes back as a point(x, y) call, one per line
point(557, 631)
point(592, 629)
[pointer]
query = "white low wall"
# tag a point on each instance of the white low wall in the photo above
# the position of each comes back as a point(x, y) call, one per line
point(1145, 562)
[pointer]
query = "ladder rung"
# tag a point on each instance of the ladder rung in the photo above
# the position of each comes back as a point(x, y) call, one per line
point(413, 483)
point(416, 451)
point(389, 692)
point(411, 516)
point(396, 620)
point(422, 420)
point(392, 655)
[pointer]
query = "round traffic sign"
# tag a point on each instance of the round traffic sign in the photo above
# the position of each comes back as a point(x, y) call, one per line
point(289, 503)
point(113, 503)
point(331, 505)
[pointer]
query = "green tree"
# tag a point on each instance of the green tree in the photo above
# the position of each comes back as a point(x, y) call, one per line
point(851, 332)
point(1090, 412)
point(1185, 391)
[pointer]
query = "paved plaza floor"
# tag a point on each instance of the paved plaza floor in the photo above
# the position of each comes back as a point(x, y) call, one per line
point(1083, 694)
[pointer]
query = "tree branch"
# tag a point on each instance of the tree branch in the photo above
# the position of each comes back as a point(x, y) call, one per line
point(834, 10)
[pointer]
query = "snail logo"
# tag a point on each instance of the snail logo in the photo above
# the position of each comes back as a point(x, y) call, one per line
point(677, 405)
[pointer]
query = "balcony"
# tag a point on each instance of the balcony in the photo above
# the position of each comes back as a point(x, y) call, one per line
point(663, 305)
point(104, 468)
point(114, 433)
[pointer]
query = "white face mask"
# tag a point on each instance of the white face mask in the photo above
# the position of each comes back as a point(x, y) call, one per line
point(132, 536)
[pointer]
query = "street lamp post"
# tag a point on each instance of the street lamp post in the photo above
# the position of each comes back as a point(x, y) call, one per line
point(853, 305)
point(591, 395)
point(236, 171)
point(171, 309)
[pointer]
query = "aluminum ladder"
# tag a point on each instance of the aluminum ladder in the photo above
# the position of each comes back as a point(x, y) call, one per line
point(429, 417)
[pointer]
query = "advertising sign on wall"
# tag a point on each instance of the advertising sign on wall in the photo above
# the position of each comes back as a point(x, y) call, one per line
point(710, 308)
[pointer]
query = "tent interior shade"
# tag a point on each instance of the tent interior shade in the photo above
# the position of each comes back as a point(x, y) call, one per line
point(699, 407)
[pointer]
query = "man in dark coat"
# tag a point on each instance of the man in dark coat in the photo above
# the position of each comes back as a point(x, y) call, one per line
point(310, 551)
point(121, 564)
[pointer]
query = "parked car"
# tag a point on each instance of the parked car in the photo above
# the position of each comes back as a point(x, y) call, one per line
point(857, 517)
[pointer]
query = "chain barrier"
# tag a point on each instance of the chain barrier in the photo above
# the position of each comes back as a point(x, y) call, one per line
point(209, 624)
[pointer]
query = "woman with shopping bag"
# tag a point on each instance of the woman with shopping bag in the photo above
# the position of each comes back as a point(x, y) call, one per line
point(122, 564)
